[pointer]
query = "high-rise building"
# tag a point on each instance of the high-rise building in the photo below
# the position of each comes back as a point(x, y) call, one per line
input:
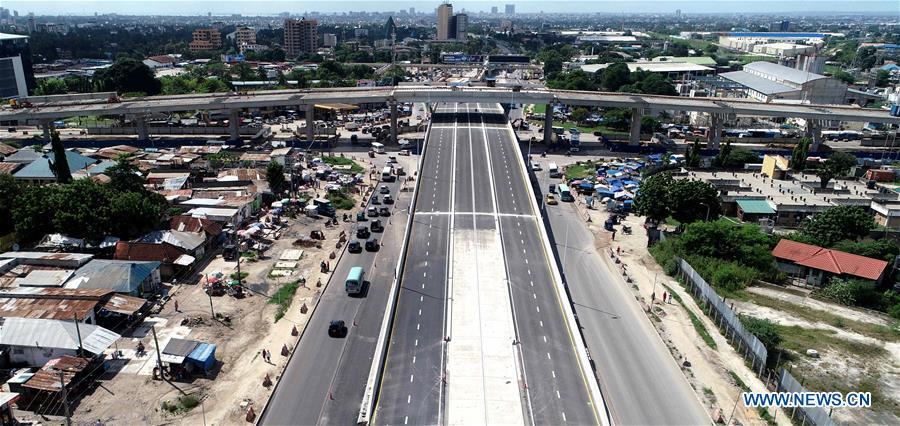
point(329, 40)
point(16, 75)
point(460, 26)
point(678, 13)
point(206, 39)
point(244, 36)
point(390, 28)
point(444, 15)
point(301, 36)
point(510, 9)
point(493, 10)
point(32, 27)
point(780, 26)
point(412, 11)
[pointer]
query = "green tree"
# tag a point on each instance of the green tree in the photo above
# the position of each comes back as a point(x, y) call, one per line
point(838, 165)
point(884, 249)
point(615, 76)
point(128, 76)
point(692, 156)
point(9, 193)
point(844, 76)
point(579, 114)
point(212, 85)
point(33, 211)
point(60, 163)
point(799, 155)
point(552, 67)
point(882, 78)
point(395, 73)
point(125, 175)
point(51, 86)
point(748, 244)
point(275, 177)
point(724, 152)
point(691, 201)
point(766, 331)
point(652, 200)
point(838, 223)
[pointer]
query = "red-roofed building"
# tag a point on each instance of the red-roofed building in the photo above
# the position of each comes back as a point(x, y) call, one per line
point(818, 264)
point(173, 259)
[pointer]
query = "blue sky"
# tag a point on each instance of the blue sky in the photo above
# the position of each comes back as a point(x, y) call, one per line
point(268, 7)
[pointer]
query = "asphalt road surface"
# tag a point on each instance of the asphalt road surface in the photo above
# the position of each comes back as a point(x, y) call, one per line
point(466, 151)
point(323, 367)
point(640, 382)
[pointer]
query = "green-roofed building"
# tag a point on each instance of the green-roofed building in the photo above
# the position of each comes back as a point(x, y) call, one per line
point(40, 172)
point(752, 210)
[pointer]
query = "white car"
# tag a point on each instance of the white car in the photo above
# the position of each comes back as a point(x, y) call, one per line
point(536, 166)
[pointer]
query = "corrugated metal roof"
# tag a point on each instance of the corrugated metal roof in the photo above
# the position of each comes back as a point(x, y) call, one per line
point(781, 72)
point(40, 168)
point(757, 83)
point(186, 240)
point(47, 378)
point(30, 332)
point(9, 168)
point(180, 347)
point(755, 206)
point(122, 276)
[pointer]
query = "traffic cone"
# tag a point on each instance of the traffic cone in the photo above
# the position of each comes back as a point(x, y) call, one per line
point(267, 381)
point(294, 331)
point(251, 415)
point(284, 350)
point(330, 396)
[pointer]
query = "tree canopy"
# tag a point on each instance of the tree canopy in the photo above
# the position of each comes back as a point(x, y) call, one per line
point(838, 223)
point(838, 165)
point(60, 164)
point(275, 177)
point(128, 76)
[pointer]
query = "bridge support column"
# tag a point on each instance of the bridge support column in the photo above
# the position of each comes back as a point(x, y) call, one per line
point(814, 132)
point(140, 124)
point(46, 126)
point(715, 130)
point(393, 105)
point(310, 123)
point(548, 123)
point(635, 137)
point(234, 124)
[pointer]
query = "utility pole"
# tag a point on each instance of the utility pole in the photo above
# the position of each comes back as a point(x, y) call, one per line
point(65, 397)
point(158, 354)
point(78, 333)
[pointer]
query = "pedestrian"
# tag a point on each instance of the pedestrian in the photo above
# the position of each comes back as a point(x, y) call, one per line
point(263, 353)
point(618, 250)
point(664, 297)
point(176, 306)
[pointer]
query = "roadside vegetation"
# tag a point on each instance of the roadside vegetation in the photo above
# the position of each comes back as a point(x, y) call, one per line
point(283, 297)
point(343, 161)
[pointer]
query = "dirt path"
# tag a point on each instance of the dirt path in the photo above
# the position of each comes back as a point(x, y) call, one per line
point(809, 302)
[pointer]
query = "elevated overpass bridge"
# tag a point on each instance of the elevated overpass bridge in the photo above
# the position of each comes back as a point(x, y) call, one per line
point(719, 109)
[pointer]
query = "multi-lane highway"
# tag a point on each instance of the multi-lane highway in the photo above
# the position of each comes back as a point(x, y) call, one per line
point(473, 184)
point(641, 383)
point(324, 380)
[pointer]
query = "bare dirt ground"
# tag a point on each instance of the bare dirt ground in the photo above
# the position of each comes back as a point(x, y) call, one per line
point(129, 395)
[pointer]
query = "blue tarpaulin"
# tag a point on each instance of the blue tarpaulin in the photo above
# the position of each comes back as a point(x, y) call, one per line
point(204, 356)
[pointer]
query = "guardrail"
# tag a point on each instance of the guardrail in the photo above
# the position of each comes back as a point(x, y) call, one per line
point(562, 292)
point(367, 406)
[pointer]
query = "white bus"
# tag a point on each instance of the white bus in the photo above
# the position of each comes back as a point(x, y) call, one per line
point(554, 170)
point(378, 147)
point(387, 174)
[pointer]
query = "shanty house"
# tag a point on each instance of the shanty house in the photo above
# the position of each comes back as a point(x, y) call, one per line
point(130, 277)
point(32, 342)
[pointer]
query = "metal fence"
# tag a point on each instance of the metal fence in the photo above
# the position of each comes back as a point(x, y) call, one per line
point(802, 415)
point(745, 342)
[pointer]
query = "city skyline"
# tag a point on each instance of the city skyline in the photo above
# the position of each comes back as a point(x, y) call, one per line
point(273, 7)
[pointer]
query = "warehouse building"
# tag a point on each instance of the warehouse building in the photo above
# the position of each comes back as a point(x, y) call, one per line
point(768, 82)
point(745, 41)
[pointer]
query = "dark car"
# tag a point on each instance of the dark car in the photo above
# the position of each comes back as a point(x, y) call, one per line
point(361, 217)
point(388, 199)
point(552, 188)
point(375, 200)
point(384, 211)
point(362, 231)
point(372, 244)
point(373, 211)
point(354, 246)
point(384, 189)
point(377, 226)
point(337, 328)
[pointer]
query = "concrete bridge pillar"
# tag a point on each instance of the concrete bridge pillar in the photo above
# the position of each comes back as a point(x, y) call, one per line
point(548, 123)
point(715, 130)
point(234, 124)
point(310, 122)
point(393, 105)
point(634, 137)
point(814, 132)
point(140, 124)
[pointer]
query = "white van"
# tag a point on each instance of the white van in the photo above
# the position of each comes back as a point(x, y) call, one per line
point(554, 170)
point(387, 174)
point(378, 147)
